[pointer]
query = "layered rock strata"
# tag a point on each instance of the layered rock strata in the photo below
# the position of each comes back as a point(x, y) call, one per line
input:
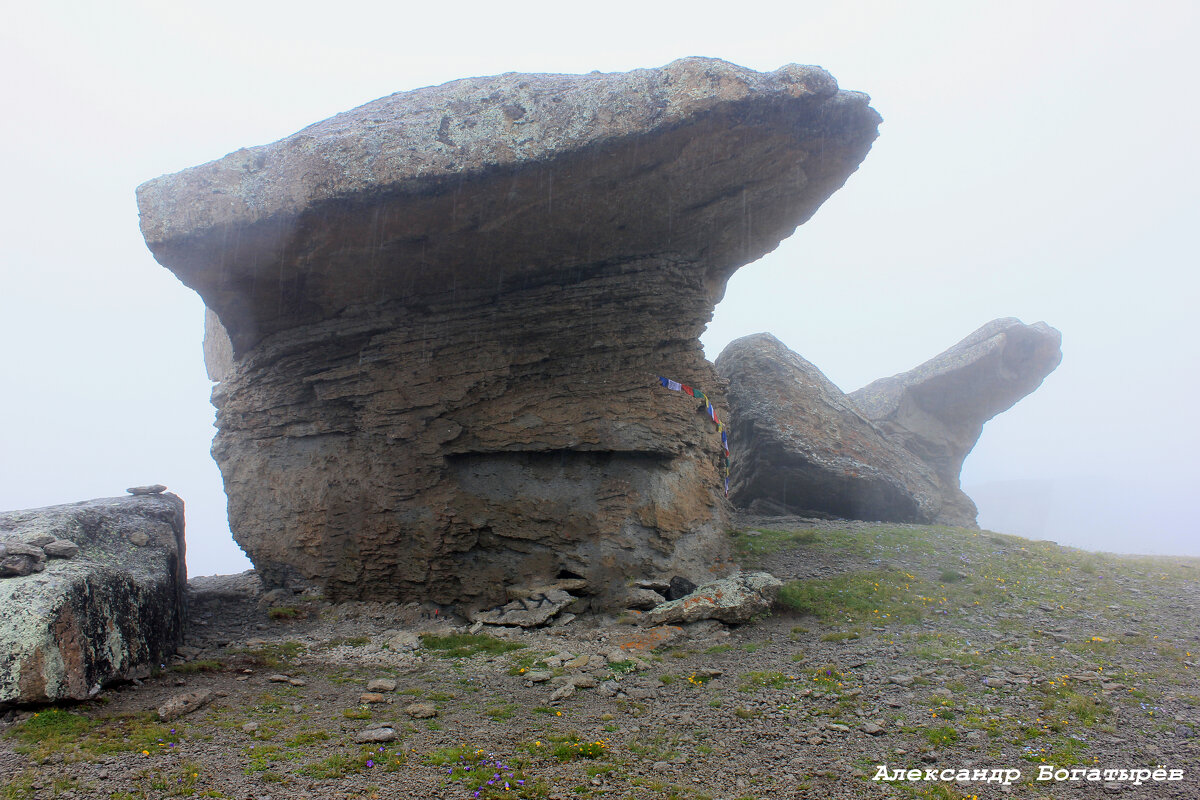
point(799, 445)
point(447, 309)
point(937, 410)
point(108, 605)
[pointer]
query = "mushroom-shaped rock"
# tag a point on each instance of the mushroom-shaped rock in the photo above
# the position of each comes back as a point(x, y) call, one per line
point(447, 309)
point(799, 445)
point(937, 410)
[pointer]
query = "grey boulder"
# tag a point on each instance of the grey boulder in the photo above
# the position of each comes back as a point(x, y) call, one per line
point(738, 598)
point(110, 613)
point(798, 445)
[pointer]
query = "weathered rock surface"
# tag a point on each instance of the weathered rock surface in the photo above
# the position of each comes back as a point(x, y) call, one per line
point(156, 488)
point(19, 558)
point(799, 445)
point(184, 703)
point(738, 598)
point(679, 587)
point(446, 310)
point(60, 548)
point(110, 612)
point(376, 735)
point(642, 599)
point(528, 612)
point(937, 410)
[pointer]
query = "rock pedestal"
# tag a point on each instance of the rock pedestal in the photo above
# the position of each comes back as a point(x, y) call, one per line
point(446, 311)
point(108, 604)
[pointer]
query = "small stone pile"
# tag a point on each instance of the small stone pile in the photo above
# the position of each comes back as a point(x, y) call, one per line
point(736, 599)
point(25, 557)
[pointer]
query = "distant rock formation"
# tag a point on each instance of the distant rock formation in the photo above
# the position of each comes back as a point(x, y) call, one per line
point(937, 410)
point(893, 450)
point(107, 603)
point(798, 445)
point(447, 310)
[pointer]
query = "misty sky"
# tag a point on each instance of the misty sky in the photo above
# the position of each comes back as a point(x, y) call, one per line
point(1036, 160)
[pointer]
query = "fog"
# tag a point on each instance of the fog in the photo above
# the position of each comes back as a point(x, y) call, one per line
point(1036, 160)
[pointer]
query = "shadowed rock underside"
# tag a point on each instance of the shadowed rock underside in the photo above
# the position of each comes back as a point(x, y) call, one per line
point(799, 445)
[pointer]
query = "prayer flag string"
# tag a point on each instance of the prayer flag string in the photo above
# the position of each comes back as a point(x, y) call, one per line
point(676, 386)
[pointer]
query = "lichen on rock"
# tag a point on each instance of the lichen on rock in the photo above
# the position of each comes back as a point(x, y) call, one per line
point(109, 612)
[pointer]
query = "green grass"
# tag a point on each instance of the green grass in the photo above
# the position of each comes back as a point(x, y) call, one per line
point(306, 738)
point(469, 769)
point(51, 731)
point(755, 544)
point(329, 768)
point(179, 782)
point(940, 735)
point(273, 656)
point(465, 645)
point(78, 737)
point(570, 751)
point(828, 678)
point(752, 681)
point(500, 713)
point(881, 597)
point(192, 667)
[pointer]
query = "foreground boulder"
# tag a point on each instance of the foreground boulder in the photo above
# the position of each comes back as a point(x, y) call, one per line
point(937, 410)
point(444, 314)
point(108, 606)
point(735, 599)
point(798, 445)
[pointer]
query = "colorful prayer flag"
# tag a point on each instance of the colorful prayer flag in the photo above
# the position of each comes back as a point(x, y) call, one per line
point(708, 408)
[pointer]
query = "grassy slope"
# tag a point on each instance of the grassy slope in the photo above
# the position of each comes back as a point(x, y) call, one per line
point(966, 602)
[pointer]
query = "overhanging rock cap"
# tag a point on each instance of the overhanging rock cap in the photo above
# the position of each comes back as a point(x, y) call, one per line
point(485, 180)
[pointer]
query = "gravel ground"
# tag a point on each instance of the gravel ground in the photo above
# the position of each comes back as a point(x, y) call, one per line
point(985, 653)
